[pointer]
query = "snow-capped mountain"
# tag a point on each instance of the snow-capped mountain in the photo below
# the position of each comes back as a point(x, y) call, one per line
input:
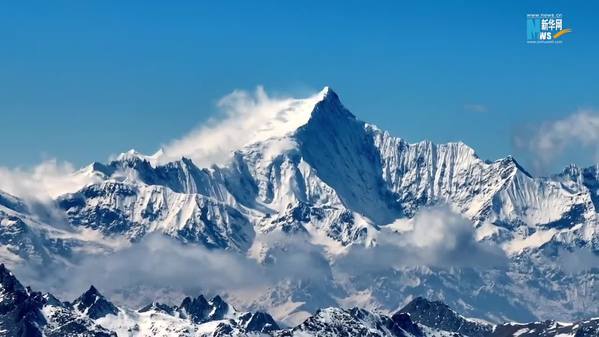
point(26, 313)
point(437, 315)
point(352, 175)
point(339, 183)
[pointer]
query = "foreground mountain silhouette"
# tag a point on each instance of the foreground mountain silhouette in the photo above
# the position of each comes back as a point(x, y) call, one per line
point(25, 313)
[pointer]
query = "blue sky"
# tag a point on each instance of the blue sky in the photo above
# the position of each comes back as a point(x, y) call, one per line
point(83, 80)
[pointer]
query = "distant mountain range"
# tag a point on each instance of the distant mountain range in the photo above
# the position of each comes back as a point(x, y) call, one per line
point(26, 313)
point(352, 190)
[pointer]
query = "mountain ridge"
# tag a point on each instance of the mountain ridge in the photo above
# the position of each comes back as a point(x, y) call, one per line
point(26, 313)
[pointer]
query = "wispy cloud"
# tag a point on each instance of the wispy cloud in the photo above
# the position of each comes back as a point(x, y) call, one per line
point(577, 261)
point(472, 107)
point(435, 237)
point(155, 262)
point(245, 118)
point(159, 262)
point(551, 139)
point(44, 181)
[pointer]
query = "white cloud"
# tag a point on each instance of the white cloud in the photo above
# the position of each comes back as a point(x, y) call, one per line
point(553, 138)
point(246, 118)
point(577, 261)
point(156, 262)
point(136, 274)
point(475, 107)
point(45, 181)
point(436, 237)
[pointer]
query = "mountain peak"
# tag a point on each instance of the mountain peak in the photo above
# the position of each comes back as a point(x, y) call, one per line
point(12, 292)
point(439, 315)
point(196, 308)
point(134, 156)
point(93, 291)
point(259, 322)
point(94, 304)
point(327, 92)
point(159, 307)
point(8, 281)
point(329, 108)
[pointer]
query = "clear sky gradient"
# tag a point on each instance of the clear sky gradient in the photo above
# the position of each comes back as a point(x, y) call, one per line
point(81, 80)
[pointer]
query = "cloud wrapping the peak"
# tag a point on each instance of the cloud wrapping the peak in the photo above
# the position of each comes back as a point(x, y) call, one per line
point(246, 118)
point(44, 181)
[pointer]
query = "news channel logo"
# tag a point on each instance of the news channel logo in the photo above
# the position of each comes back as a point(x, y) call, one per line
point(545, 28)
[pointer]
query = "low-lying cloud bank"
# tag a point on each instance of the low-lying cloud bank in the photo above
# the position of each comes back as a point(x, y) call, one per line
point(159, 262)
point(436, 237)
